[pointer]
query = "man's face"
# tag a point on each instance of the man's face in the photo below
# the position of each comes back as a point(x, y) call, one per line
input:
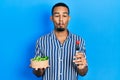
point(60, 17)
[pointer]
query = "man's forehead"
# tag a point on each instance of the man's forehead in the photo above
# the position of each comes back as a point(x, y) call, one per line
point(60, 8)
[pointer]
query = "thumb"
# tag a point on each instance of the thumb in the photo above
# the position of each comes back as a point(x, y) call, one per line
point(36, 68)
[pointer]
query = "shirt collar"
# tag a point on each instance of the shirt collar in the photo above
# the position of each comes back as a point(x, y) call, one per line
point(52, 34)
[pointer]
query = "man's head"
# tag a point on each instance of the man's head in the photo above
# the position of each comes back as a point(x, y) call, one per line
point(60, 16)
point(60, 4)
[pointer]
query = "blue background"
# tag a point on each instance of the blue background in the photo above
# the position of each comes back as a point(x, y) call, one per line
point(22, 22)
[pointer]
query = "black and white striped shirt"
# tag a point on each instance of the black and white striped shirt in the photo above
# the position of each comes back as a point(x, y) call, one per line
point(60, 56)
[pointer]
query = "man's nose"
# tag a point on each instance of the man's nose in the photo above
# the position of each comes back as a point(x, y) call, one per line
point(61, 18)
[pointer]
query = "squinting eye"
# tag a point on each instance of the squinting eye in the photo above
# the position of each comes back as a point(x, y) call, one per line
point(56, 15)
point(64, 15)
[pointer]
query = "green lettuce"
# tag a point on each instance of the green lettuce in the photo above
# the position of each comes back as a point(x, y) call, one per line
point(38, 58)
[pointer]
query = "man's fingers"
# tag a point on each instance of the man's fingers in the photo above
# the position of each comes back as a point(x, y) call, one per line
point(77, 60)
point(80, 61)
point(79, 55)
point(36, 68)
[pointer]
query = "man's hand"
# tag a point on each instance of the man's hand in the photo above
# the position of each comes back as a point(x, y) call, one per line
point(81, 63)
point(80, 60)
point(39, 72)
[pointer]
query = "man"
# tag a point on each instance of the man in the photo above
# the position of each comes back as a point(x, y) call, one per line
point(65, 61)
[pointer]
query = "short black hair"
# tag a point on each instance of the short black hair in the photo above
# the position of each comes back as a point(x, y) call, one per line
point(60, 4)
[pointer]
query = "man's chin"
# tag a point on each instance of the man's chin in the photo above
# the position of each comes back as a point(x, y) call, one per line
point(60, 29)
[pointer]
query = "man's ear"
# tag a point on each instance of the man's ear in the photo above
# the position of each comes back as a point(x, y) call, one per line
point(69, 18)
point(51, 18)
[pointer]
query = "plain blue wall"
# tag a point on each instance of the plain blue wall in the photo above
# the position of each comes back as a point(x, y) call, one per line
point(22, 22)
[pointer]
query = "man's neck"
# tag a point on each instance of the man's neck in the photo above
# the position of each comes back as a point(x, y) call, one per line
point(61, 36)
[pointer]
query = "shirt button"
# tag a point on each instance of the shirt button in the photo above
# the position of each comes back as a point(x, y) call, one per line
point(60, 73)
point(61, 60)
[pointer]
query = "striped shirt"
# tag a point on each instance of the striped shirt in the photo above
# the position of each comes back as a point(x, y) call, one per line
point(60, 56)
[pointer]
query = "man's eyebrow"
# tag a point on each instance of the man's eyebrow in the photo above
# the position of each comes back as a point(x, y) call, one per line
point(65, 12)
point(58, 13)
